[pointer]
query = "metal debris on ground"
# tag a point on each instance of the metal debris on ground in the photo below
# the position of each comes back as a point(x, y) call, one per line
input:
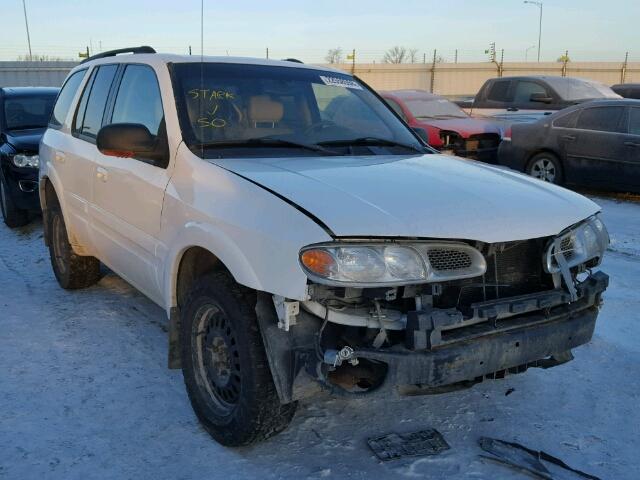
point(395, 445)
point(525, 459)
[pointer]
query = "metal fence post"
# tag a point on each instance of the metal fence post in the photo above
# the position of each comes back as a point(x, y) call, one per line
point(433, 71)
point(623, 71)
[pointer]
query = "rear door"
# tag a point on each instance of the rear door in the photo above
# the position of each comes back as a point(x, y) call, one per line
point(595, 150)
point(128, 192)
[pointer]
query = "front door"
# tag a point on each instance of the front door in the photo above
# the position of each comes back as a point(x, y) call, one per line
point(128, 192)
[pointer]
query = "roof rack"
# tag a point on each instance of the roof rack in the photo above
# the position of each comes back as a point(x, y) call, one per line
point(113, 53)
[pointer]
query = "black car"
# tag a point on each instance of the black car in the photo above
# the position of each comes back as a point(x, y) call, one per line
point(595, 144)
point(627, 90)
point(24, 114)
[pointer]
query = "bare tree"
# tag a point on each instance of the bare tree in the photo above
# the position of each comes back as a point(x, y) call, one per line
point(334, 55)
point(395, 55)
point(413, 55)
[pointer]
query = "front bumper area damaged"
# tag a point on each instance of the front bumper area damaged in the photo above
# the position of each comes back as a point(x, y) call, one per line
point(534, 330)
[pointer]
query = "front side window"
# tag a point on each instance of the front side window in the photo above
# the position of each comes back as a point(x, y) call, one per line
point(434, 108)
point(65, 97)
point(297, 110)
point(138, 99)
point(525, 89)
point(602, 119)
point(92, 104)
point(24, 112)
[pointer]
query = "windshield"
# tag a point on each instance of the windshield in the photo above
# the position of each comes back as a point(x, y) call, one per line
point(21, 113)
point(434, 108)
point(229, 109)
point(573, 89)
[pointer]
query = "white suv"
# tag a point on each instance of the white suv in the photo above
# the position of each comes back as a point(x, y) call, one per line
point(300, 236)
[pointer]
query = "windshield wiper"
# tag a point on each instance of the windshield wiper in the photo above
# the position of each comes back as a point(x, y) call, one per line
point(370, 141)
point(265, 142)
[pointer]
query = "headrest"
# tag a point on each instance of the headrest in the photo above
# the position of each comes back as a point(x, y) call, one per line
point(263, 109)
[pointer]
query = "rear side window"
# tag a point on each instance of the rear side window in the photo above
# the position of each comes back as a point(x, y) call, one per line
point(65, 97)
point(499, 91)
point(634, 121)
point(138, 99)
point(602, 119)
point(94, 98)
point(567, 121)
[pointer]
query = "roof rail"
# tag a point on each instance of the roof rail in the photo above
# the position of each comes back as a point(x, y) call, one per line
point(113, 53)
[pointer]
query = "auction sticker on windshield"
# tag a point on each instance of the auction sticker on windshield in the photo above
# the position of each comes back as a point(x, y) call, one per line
point(340, 82)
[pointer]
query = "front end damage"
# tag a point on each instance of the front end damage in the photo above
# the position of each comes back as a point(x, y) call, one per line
point(483, 311)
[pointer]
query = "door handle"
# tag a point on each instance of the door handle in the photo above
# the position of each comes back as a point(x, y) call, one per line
point(571, 138)
point(101, 174)
point(631, 144)
point(60, 157)
point(512, 109)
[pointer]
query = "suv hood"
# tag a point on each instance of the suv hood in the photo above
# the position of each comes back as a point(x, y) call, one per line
point(419, 196)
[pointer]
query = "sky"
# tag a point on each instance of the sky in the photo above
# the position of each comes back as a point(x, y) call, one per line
point(588, 29)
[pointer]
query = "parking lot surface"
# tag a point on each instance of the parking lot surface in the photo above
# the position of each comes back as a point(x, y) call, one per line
point(85, 392)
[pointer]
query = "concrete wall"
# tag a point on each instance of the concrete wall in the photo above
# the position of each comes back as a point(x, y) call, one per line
point(467, 78)
point(34, 74)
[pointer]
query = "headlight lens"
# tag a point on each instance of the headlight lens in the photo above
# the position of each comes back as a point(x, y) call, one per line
point(371, 265)
point(22, 160)
point(584, 242)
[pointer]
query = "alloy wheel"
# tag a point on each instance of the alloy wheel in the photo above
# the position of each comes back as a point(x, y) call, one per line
point(544, 169)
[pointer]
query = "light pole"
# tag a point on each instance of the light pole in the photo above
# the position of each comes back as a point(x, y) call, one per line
point(526, 52)
point(539, 5)
point(24, 7)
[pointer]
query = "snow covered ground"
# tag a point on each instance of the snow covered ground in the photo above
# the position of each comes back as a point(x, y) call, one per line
point(85, 393)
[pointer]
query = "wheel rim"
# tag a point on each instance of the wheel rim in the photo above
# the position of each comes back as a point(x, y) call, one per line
point(544, 169)
point(58, 234)
point(217, 361)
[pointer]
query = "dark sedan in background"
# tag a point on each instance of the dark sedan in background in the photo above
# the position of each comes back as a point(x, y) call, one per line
point(627, 90)
point(448, 127)
point(24, 115)
point(594, 144)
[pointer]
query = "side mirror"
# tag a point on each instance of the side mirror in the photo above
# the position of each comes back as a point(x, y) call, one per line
point(540, 98)
point(126, 140)
point(422, 133)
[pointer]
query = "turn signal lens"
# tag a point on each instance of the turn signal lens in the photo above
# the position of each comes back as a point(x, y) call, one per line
point(319, 262)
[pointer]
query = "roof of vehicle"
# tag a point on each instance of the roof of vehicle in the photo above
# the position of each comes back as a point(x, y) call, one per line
point(410, 94)
point(626, 85)
point(24, 91)
point(544, 77)
point(164, 58)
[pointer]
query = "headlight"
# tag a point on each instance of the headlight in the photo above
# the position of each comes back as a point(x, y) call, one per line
point(584, 242)
point(371, 265)
point(22, 160)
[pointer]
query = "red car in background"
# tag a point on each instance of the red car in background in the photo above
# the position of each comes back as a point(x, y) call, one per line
point(448, 127)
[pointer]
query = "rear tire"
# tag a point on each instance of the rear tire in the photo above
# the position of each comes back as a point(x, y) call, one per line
point(71, 270)
point(546, 166)
point(224, 364)
point(13, 217)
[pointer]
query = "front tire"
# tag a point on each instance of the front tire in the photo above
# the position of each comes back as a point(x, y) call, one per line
point(71, 270)
point(224, 364)
point(13, 217)
point(546, 166)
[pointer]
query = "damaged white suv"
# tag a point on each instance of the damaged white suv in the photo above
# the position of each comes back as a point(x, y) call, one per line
point(301, 237)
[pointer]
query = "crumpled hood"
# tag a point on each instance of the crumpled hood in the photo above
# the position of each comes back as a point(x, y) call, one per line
point(427, 196)
point(464, 126)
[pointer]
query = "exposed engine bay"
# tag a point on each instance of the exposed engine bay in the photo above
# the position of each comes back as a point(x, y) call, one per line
point(520, 312)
